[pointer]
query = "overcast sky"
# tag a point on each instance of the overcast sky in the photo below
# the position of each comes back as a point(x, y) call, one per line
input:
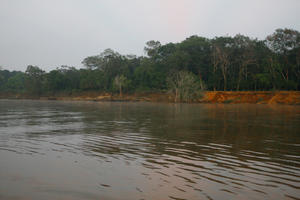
point(51, 33)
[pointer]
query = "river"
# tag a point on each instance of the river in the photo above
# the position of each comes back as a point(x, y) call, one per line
point(127, 151)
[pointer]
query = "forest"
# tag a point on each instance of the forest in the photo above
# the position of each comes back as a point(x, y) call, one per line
point(224, 63)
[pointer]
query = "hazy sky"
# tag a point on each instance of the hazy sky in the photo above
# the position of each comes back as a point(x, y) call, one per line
point(51, 33)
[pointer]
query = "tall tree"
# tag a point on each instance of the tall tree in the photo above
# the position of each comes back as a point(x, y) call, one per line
point(244, 55)
point(152, 48)
point(283, 43)
point(183, 85)
point(34, 79)
point(120, 82)
point(222, 47)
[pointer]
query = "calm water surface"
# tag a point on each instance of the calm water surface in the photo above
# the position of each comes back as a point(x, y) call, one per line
point(127, 151)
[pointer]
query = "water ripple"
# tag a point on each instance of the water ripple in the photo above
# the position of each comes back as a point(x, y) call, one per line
point(150, 151)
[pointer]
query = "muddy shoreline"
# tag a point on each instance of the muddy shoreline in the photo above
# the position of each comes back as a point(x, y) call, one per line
point(227, 97)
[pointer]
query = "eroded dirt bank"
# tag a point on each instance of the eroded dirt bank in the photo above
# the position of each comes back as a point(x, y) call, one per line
point(277, 97)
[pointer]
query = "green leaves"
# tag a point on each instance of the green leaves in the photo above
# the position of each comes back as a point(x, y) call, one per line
point(184, 86)
point(283, 40)
point(34, 79)
point(121, 82)
point(197, 63)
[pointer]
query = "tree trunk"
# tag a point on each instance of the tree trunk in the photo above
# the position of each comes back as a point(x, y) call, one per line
point(224, 77)
point(225, 83)
point(120, 91)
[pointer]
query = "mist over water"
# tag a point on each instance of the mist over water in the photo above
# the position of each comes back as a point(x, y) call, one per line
point(126, 151)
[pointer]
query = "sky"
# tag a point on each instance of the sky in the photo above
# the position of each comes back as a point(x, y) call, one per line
point(51, 33)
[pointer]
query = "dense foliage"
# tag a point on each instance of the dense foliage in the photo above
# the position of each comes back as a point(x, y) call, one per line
point(222, 63)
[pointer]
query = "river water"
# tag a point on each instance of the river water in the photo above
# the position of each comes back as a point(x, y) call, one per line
point(127, 151)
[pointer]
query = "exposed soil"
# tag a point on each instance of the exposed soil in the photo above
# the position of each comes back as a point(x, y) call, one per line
point(229, 97)
point(278, 97)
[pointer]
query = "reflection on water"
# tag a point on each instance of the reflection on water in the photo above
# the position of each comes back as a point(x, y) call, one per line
point(89, 150)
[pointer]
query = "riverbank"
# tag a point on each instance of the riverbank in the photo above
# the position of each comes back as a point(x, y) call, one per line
point(261, 97)
point(228, 97)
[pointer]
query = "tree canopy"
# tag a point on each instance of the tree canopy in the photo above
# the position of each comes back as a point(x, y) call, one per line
point(222, 63)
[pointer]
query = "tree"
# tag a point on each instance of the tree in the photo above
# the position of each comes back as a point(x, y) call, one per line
point(283, 40)
point(183, 85)
point(244, 49)
point(91, 79)
point(148, 76)
point(1, 78)
point(16, 82)
point(222, 58)
point(152, 48)
point(55, 81)
point(284, 43)
point(34, 79)
point(120, 82)
point(110, 62)
point(92, 62)
point(223, 63)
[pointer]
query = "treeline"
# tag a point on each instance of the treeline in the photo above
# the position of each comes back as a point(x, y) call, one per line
point(223, 63)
